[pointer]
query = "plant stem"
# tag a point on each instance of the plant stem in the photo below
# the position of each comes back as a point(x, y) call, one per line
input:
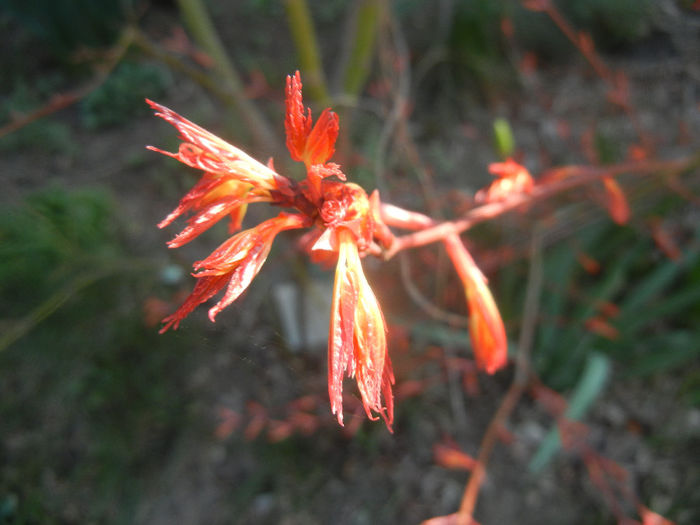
point(304, 36)
point(205, 80)
point(200, 25)
point(49, 306)
point(366, 20)
point(63, 100)
point(517, 387)
point(556, 181)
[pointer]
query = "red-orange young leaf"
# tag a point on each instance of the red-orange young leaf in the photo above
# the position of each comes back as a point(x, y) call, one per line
point(206, 151)
point(320, 144)
point(233, 265)
point(451, 457)
point(357, 337)
point(311, 145)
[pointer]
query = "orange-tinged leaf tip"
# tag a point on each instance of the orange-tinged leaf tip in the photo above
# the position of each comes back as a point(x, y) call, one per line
point(616, 201)
point(297, 123)
point(320, 144)
point(357, 337)
point(449, 456)
point(486, 328)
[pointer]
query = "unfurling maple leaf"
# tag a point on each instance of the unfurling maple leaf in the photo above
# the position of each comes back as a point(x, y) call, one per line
point(343, 222)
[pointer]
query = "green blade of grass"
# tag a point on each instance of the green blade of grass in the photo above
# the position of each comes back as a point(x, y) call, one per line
point(589, 387)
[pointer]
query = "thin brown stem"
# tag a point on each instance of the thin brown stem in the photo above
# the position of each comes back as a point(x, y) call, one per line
point(424, 303)
point(563, 24)
point(618, 90)
point(63, 100)
point(520, 380)
point(560, 180)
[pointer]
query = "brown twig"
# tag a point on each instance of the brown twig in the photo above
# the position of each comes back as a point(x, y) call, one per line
point(616, 81)
point(63, 100)
point(559, 180)
point(424, 303)
point(517, 387)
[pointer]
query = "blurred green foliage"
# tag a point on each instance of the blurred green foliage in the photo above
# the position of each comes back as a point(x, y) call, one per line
point(655, 324)
point(105, 387)
point(122, 95)
point(46, 239)
point(611, 22)
point(66, 25)
point(47, 135)
point(476, 44)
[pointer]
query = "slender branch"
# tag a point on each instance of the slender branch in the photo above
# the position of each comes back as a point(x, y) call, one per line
point(562, 23)
point(556, 181)
point(616, 82)
point(424, 303)
point(208, 82)
point(49, 306)
point(63, 100)
point(304, 36)
point(530, 309)
point(517, 387)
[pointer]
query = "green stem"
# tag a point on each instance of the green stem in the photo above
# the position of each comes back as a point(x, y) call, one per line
point(304, 36)
point(200, 25)
point(205, 80)
point(23, 326)
point(364, 34)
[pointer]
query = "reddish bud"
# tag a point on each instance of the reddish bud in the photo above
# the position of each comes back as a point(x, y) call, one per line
point(589, 264)
point(652, 518)
point(450, 519)
point(601, 327)
point(537, 5)
point(615, 201)
point(230, 420)
point(513, 179)
point(451, 457)
point(486, 328)
point(279, 431)
point(664, 240)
